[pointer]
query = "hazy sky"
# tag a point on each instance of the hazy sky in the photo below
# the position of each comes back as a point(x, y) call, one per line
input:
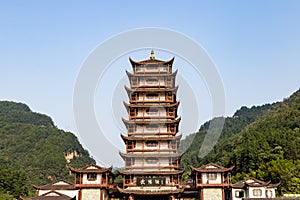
point(254, 44)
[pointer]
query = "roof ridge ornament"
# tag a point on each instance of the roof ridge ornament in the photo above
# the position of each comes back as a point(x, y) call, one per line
point(152, 56)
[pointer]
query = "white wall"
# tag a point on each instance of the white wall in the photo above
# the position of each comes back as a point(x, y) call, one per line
point(212, 193)
point(86, 181)
point(90, 194)
point(210, 181)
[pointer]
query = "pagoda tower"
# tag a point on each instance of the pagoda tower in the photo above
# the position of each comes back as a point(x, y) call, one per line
point(151, 158)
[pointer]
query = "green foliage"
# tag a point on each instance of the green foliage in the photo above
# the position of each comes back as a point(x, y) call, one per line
point(11, 112)
point(30, 142)
point(221, 151)
point(6, 196)
point(13, 183)
point(261, 142)
point(284, 171)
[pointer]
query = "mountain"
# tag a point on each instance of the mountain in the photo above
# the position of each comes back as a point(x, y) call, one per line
point(233, 125)
point(261, 141)
point(34, 148)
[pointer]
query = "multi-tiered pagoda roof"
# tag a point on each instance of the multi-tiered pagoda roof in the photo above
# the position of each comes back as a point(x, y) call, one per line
point(151, 157)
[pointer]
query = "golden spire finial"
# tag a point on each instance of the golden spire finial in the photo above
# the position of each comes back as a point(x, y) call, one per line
point(152, 57)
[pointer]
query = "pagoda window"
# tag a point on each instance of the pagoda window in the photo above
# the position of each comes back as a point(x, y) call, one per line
point(152, 127)
point(172, 162)
point(169, 96)
point(172, 145)
point(151, 143)
point(171, 112)
point(175, 179)
point(152, 160)
point(134, 81)
point(129, 162)
point(132, 128)
point(152, 80)
point(152, 96)
point(127, 179)
point(134, 96)
point(172, 128)
point(212, 176)
point(91, 176)
point(169, 81)
point(151, 111)
point(131, 145)
point(133, 112)
point(151, 67)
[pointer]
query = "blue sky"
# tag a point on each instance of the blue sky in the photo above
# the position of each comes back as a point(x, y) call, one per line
point(254, 44)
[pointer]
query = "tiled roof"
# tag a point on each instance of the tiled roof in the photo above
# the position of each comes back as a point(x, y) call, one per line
point(211, 167)
point(52, 195)
point(90, 169)
point(151, 61)
point(58, 185)
point(253, 182)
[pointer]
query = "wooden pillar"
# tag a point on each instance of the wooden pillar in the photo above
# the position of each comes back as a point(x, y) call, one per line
point(201, 193)
point(223, 195)
point(222, 177)
point(101, 194)
point(106, 179)
point(129, 178)
point(80, 194)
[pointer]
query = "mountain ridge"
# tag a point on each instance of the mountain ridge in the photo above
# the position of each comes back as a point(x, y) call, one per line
point(31, 143)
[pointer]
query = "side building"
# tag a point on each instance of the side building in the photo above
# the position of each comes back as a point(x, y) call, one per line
point(212, 181)
point(253, 188)
point(92, 181)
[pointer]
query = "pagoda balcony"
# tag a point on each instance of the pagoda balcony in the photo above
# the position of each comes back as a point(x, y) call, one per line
point(150, 150)
point(150, 116)
point(151, 131)
point(132, 132)
point(133, 183)
point(152, 85)
point(158, 99)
